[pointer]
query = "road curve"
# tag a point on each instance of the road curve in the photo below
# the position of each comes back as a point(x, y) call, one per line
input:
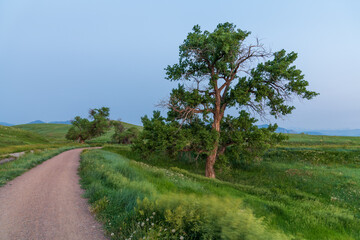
point(46, 203)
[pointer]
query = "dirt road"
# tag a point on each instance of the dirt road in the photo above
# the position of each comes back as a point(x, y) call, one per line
point(46, 203)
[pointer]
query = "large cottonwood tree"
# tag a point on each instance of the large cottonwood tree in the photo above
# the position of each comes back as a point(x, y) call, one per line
point(221, 70)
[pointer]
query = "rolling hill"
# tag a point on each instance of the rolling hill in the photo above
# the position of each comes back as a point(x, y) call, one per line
point(48, 130)
point(10, 136)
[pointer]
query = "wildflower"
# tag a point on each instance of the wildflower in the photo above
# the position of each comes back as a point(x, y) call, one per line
point(165, 229)
point(110, 224)
point(134, 232)
point(173, 230)
point(112, 234)
point(149, 228)
point(181, 237)
point(142, 224)
point(151, 217)
point(152, 224)
point(153, 213)
point(147, 219)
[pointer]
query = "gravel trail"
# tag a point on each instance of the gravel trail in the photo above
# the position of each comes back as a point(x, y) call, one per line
point(45, 203)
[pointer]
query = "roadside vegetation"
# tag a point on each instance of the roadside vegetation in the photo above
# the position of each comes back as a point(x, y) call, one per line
point(292, 194)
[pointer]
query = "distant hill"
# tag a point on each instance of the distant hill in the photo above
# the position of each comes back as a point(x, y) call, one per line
point(6, 124)
point(346, 133)
point(36, 122)
point(61, 122)
point(279, 129)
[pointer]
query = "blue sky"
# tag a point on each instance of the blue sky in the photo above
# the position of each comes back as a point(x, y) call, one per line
point(60, 58)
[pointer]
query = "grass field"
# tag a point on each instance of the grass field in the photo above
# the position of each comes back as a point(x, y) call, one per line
point(307, 188)
point(10, 136)
point(287, 198)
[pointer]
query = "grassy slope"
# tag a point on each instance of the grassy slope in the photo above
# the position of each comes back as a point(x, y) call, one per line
point(10, 136)
point(139, 201)
point(48, 130)
point(308, 186)
point(17, 140)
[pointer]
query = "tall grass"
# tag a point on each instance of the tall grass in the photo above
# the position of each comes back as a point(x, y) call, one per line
point(309, 194)
point(135, 200)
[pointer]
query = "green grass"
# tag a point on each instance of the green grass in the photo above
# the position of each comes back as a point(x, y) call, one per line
point(291, 191)
point(10, 170)
point(137, 200)
point(48, 130)
point(321, 142)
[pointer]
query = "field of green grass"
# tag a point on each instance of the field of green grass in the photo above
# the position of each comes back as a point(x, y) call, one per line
point(307, 188)
point(321, 142)
point(286, 196)
point(48, 130)
point(10, 136)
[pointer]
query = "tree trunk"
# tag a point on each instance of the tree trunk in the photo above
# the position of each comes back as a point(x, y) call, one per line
point(210, 162)
point(211, 159)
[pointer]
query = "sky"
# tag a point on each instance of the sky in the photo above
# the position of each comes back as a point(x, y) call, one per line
point(60, 58)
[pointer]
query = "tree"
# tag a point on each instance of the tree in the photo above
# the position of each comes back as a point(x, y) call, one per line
point(100, 121)
point(79, 130)
point(83, 129)
point(122, 135)
point(223, 72)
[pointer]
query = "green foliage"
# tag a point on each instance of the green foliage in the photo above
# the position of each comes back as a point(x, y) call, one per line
point(135, 200)
point(123, 135)
point(100, 121)
point(240, 139)
point(83, 129)
point(80, 130)
point(162, 136)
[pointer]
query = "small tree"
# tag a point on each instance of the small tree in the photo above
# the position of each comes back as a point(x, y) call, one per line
point(222, 73)
point(100, 121)
point(122, 135)
point(83, 129)
point(79, 130)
